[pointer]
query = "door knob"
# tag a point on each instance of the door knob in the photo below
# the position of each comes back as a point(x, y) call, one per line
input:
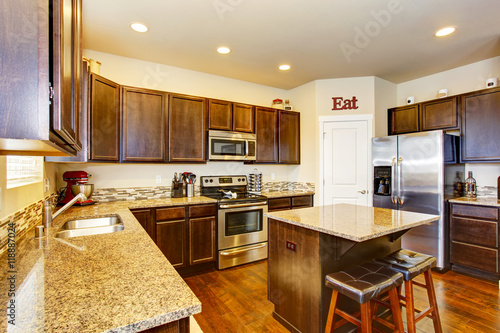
point(362, 191)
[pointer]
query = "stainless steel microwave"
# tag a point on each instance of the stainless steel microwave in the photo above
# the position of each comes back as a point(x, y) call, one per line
point(231, 146)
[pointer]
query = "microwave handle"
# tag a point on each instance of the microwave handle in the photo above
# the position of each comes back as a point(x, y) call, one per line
point(246, 148)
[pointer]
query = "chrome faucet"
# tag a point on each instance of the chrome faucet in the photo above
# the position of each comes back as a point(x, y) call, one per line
point(47, 209)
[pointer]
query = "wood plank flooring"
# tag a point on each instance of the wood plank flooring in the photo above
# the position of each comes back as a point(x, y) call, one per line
point(235, 300)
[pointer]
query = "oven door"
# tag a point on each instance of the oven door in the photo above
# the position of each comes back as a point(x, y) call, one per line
point(242, 224)
point(227, 149)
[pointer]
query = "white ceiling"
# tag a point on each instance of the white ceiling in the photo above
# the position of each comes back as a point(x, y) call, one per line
point(308, 35)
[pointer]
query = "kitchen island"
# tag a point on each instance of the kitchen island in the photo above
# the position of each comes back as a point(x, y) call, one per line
point(307, 244)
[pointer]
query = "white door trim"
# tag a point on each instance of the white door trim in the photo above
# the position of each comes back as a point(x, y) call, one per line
point(355, 117)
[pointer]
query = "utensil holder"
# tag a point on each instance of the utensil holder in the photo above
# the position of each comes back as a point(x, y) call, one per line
point(189, 190)
point(177, 192)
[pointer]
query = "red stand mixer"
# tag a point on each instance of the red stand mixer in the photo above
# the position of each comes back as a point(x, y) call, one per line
point(76, 183)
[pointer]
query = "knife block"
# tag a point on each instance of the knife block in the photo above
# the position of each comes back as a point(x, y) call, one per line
point(177, 192)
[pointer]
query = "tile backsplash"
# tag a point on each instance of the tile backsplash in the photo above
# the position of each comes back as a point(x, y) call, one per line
point(24, 220)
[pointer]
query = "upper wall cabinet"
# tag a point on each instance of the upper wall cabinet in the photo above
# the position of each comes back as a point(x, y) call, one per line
point(289, 137)
point(440, 114)
point(403, 119)
point(31, 59)
point(480, 126)
point(144, 119)
point(228, 116)
point(266, 130)
point(187, 128)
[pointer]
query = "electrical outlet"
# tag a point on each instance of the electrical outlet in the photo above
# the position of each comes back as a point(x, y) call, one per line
point(273, 176)
point(158, 179)
point(291, 246)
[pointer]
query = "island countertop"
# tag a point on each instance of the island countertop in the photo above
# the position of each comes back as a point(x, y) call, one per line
point(353, 222)
point(116, 282)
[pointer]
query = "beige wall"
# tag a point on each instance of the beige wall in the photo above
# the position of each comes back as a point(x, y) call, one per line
point(15, 199)
point(385, 98)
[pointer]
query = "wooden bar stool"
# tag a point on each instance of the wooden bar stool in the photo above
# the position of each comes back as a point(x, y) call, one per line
point(364, 283)
point(411, 264)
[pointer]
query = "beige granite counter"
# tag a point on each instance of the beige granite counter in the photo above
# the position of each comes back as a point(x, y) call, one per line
point(357, 223)
point(482, 201)
point(282, 194)
point(117, 282)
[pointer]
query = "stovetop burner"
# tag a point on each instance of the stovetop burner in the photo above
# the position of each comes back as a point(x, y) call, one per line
point(228, 189)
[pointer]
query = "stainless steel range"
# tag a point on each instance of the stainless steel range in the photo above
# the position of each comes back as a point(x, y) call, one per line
point(242, 226)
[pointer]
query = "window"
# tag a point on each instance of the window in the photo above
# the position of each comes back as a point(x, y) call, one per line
point(23, 170)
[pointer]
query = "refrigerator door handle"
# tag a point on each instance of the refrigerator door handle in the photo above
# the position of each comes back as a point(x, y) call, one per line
point(393, 197)
point(401, 199)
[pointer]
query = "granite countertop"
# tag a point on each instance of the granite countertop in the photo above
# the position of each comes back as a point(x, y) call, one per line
point(353, 222)
point(482, 201)
point(291, 193)
point(117, 282)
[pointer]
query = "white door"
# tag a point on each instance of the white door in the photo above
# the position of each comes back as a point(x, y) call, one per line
point(346, 158)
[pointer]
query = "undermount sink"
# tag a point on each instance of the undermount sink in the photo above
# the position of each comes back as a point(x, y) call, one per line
point(92, 226)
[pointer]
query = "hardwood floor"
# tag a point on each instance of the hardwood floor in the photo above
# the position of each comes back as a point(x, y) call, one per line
point(235, 300)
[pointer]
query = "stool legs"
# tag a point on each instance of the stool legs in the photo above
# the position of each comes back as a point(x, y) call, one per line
point(366, 317)
point(331, 312)
point(431, 293)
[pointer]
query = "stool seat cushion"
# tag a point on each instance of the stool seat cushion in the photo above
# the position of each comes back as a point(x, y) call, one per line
point(409, 263)
point(364, 282)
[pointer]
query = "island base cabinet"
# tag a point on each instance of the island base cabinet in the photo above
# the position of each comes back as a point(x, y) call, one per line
point(178, 326)
point(297, 272)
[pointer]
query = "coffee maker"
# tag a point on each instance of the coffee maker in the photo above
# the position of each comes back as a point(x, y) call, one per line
point(74, 178)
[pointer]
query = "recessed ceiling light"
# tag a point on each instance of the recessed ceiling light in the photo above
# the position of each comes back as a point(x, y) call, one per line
point(139, 27)
point(284, 67)
point(223, 50)
point(445, 31)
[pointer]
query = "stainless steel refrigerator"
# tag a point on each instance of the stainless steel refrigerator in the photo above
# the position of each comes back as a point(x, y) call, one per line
point(416, 172)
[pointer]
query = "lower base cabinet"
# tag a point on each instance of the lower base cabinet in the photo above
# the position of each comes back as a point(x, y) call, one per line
point(185, 234)
point(178, 326)
point(474, 237)
point(301, 201)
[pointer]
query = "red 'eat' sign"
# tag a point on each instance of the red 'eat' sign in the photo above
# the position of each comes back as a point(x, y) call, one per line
point(340, 103)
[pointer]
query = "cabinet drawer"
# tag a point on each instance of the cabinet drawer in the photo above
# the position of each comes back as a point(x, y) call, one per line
point(305, 200)
point(279, 203)
point(173, 213)
point(474, 256)
point(475, 211)
point(202, 210)
point(474, 232)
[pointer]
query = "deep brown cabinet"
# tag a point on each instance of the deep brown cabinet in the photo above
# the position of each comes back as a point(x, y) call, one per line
point(187, 128)
point(104, 119)
point(404, 119)
point(474, 236)
point(480, 126)
point(266, 130)
point(144, 119)
point(146, 219)
point(41, 40)
point(440, 114)
point(186, 234)
point(289, 137)
point(285, 203)
point(228, 116)
point(243, 118)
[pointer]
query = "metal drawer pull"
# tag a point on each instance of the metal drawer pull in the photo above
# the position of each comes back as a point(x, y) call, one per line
point(244, 205)
point(245, 249)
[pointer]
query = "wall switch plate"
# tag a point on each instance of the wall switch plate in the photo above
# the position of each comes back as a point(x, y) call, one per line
point(158, 179)
point(291, 246)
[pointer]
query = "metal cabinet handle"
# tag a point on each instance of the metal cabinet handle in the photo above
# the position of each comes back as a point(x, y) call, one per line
point(400, 179)
point(393, 173)
point(362, 191)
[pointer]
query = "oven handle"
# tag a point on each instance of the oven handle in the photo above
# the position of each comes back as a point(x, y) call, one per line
point(244, 205)
point(241, 250)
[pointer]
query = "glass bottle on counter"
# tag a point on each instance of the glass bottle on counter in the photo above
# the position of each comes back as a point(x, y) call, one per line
point(458, 185)
point(470, 186)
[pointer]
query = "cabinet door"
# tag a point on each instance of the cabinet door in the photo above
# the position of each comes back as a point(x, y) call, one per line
point(144, 124)
point(104, 122)
point(220, 115)
point(480, 124)
point(403, 119)
point(171, 239)
point(146, 220)
point(187, 128)
point(266, 128)
point(275, 204)
point(439, 114)
point(243, 118)
point(66, 69)
point(202, 240)
point(289, 137)
point(302, 201)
